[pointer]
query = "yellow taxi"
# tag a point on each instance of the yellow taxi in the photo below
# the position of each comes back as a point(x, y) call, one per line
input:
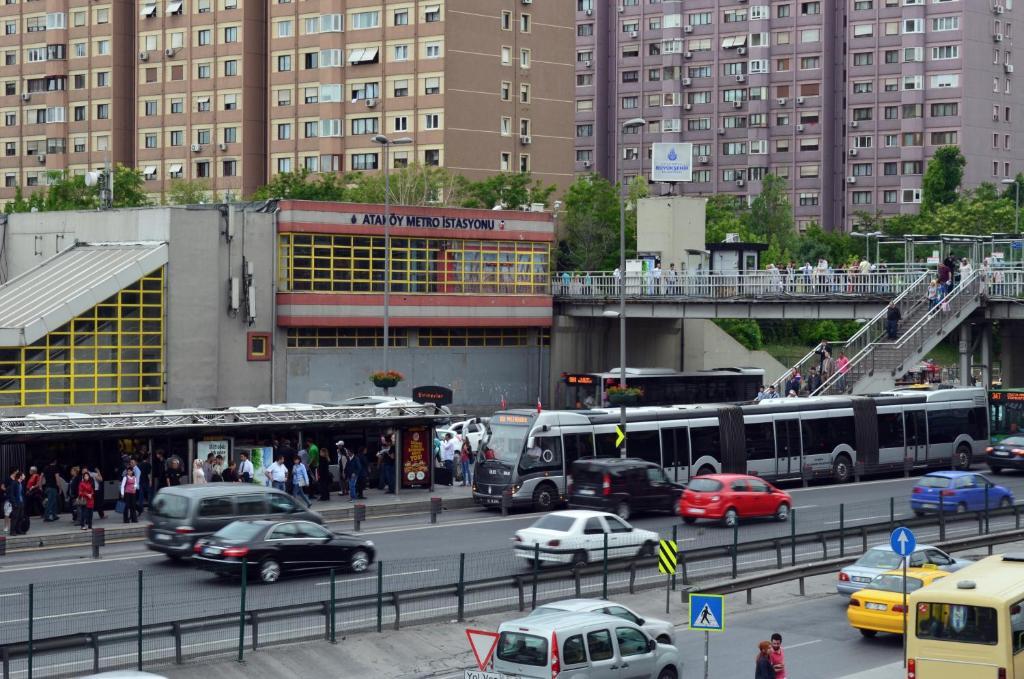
point(879, 606)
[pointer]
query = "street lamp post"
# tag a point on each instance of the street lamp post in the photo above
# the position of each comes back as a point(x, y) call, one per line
point(633, 122)
point(386, 145)
point(867, 241)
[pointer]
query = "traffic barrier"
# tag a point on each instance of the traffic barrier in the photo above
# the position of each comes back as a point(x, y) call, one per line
point(435, 508)
point(99, 539)
point(506, 502)
point(358, 516)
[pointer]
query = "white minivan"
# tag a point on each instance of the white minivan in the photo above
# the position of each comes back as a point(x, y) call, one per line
point(582, 646)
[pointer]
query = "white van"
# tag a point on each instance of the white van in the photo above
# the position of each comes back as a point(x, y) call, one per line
point(582, 646)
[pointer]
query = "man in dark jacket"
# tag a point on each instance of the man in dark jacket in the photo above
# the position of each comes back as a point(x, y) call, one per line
point(323, 472)
point(892, 321)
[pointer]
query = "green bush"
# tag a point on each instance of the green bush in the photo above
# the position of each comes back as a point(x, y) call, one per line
point(745, 331)
point(813, 332)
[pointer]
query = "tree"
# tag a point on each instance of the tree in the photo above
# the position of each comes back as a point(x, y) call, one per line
point(302, 185)
point(816, 243)
point(69, 192)
point(771, 216)
point(189, 192)
point(592, 223)
point(19, 204)
point(129, 187)
point(942, 178)
point(509, 189)
point(726, 214)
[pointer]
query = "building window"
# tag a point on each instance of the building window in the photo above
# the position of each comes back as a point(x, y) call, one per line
point(203, 168)
point(432, 14)
point(401, 17)
point(432, 157)
point(118, 355)
point(229, 168)
point(344, 338)
point(364, 161)
point(354, 264)
point(231, 67)
point(258, 346)
point(473, 337)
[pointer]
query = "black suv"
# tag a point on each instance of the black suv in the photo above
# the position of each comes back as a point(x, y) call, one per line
point(622, 486)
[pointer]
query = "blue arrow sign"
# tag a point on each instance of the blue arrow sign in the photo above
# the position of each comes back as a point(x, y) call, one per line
point(1017, 245)
point(707, 612)
point(903, 541)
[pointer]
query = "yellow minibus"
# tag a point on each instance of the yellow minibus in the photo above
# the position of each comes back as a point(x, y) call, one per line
point(970, 624)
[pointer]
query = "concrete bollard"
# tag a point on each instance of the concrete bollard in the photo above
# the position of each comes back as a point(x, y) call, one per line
point(3, 545)
point(99, 539)
point(506, 502)
point(435, 508)
point(358, 516)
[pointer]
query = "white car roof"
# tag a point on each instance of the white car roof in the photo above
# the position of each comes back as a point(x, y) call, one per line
point(579, 513)
point(918, 548)
point(577, 604)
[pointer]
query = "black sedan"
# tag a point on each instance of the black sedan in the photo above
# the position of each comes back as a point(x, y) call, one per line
point(1007, 454)
point(271, 549)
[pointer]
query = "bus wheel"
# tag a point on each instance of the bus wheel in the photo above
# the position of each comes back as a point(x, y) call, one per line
point(963, 457)
point(544, 498)
point(841, 469)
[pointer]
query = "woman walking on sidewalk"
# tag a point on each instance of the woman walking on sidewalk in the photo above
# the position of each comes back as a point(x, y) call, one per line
point(465, 459)
point(86, 500)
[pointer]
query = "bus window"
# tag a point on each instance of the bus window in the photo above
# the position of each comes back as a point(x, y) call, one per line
point(705, 441)
point(577, 446)
point(943, 425)
point(822, 436)
point(890, 430)
point(1017, 626)
point(545, 456)
point(760, 441)
point(957, 622)
point(977, 424)
point(606, 444)
point(675, 449)
point(644, 444)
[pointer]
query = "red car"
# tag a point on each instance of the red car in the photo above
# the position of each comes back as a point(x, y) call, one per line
point(727, 497)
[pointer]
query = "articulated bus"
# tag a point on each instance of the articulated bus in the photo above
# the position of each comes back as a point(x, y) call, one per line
point(969, 624)
point(530, 452)
point(662, 387)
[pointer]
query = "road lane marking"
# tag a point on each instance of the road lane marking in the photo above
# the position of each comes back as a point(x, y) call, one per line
point(790, 647)
point(53, 617)
point(386, 575)
point(4, 596)
point(805, 507)
point(77, 562)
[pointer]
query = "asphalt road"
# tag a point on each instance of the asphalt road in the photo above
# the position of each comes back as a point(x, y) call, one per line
point(73, 593)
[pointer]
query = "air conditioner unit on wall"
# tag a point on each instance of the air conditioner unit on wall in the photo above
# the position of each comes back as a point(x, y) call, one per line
point(41, 157)
point(196, 148)
point(853, 152)
point(143, 56)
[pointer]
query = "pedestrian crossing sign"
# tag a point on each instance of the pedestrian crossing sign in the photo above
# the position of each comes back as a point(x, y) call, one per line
point(707, 612)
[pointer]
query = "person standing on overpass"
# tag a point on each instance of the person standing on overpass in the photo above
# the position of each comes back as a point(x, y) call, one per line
point(892, 321)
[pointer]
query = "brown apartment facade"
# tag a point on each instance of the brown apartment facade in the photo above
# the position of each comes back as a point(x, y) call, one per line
point(234, 91)
point(845, 99)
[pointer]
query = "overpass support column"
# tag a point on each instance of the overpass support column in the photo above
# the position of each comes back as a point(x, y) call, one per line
point(1011, 337)
point(986, 355)
point(965, 354)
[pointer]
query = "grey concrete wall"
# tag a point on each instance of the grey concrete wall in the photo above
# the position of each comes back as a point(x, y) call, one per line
point(708, 346)
point(670, 227)
point(478, 376)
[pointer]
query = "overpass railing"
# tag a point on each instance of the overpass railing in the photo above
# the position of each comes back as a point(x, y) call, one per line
point(600, 285)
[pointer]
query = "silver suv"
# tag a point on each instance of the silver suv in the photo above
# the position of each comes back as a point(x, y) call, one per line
point(582, 646)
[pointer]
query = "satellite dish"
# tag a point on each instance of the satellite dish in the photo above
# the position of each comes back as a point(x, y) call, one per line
point(92, 178)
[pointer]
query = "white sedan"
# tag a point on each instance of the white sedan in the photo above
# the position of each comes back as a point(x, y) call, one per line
point(474, 430)
point(578, 536)
point(662, 630)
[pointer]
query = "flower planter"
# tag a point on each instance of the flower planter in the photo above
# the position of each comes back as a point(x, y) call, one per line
point(386, 382)
point(623, 399)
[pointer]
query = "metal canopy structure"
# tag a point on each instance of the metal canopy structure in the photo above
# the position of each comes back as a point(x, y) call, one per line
point(68, 284)
point(190, 420)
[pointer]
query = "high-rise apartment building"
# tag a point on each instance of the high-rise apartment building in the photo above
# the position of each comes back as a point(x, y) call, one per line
point(235, 91)
point(846, 100)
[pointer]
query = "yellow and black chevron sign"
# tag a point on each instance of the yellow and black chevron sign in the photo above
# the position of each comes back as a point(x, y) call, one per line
point(668, 557)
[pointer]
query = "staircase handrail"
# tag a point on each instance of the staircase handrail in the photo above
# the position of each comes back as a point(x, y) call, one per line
point(949, 307)
point(859, 336)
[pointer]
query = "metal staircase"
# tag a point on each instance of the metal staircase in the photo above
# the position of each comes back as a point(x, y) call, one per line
point(910, 303)
point(878, 361)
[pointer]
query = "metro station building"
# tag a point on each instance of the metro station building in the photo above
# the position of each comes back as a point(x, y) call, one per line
point(209, 306)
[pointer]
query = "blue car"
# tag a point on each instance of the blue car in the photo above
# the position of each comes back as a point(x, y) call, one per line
point(956, 491)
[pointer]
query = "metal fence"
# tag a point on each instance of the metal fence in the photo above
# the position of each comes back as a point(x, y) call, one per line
point(149, 620)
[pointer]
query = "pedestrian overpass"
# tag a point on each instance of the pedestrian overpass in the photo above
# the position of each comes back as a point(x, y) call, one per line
point(875, 361)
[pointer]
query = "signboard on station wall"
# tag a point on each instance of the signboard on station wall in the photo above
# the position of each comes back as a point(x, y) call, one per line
point(416, 445)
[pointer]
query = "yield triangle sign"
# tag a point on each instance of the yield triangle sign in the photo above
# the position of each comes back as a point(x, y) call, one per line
point(482, 640)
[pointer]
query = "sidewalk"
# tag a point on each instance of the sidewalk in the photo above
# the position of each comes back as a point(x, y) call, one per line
point(338, 508)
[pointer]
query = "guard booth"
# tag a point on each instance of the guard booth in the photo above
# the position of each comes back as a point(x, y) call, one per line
point(175, 438)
